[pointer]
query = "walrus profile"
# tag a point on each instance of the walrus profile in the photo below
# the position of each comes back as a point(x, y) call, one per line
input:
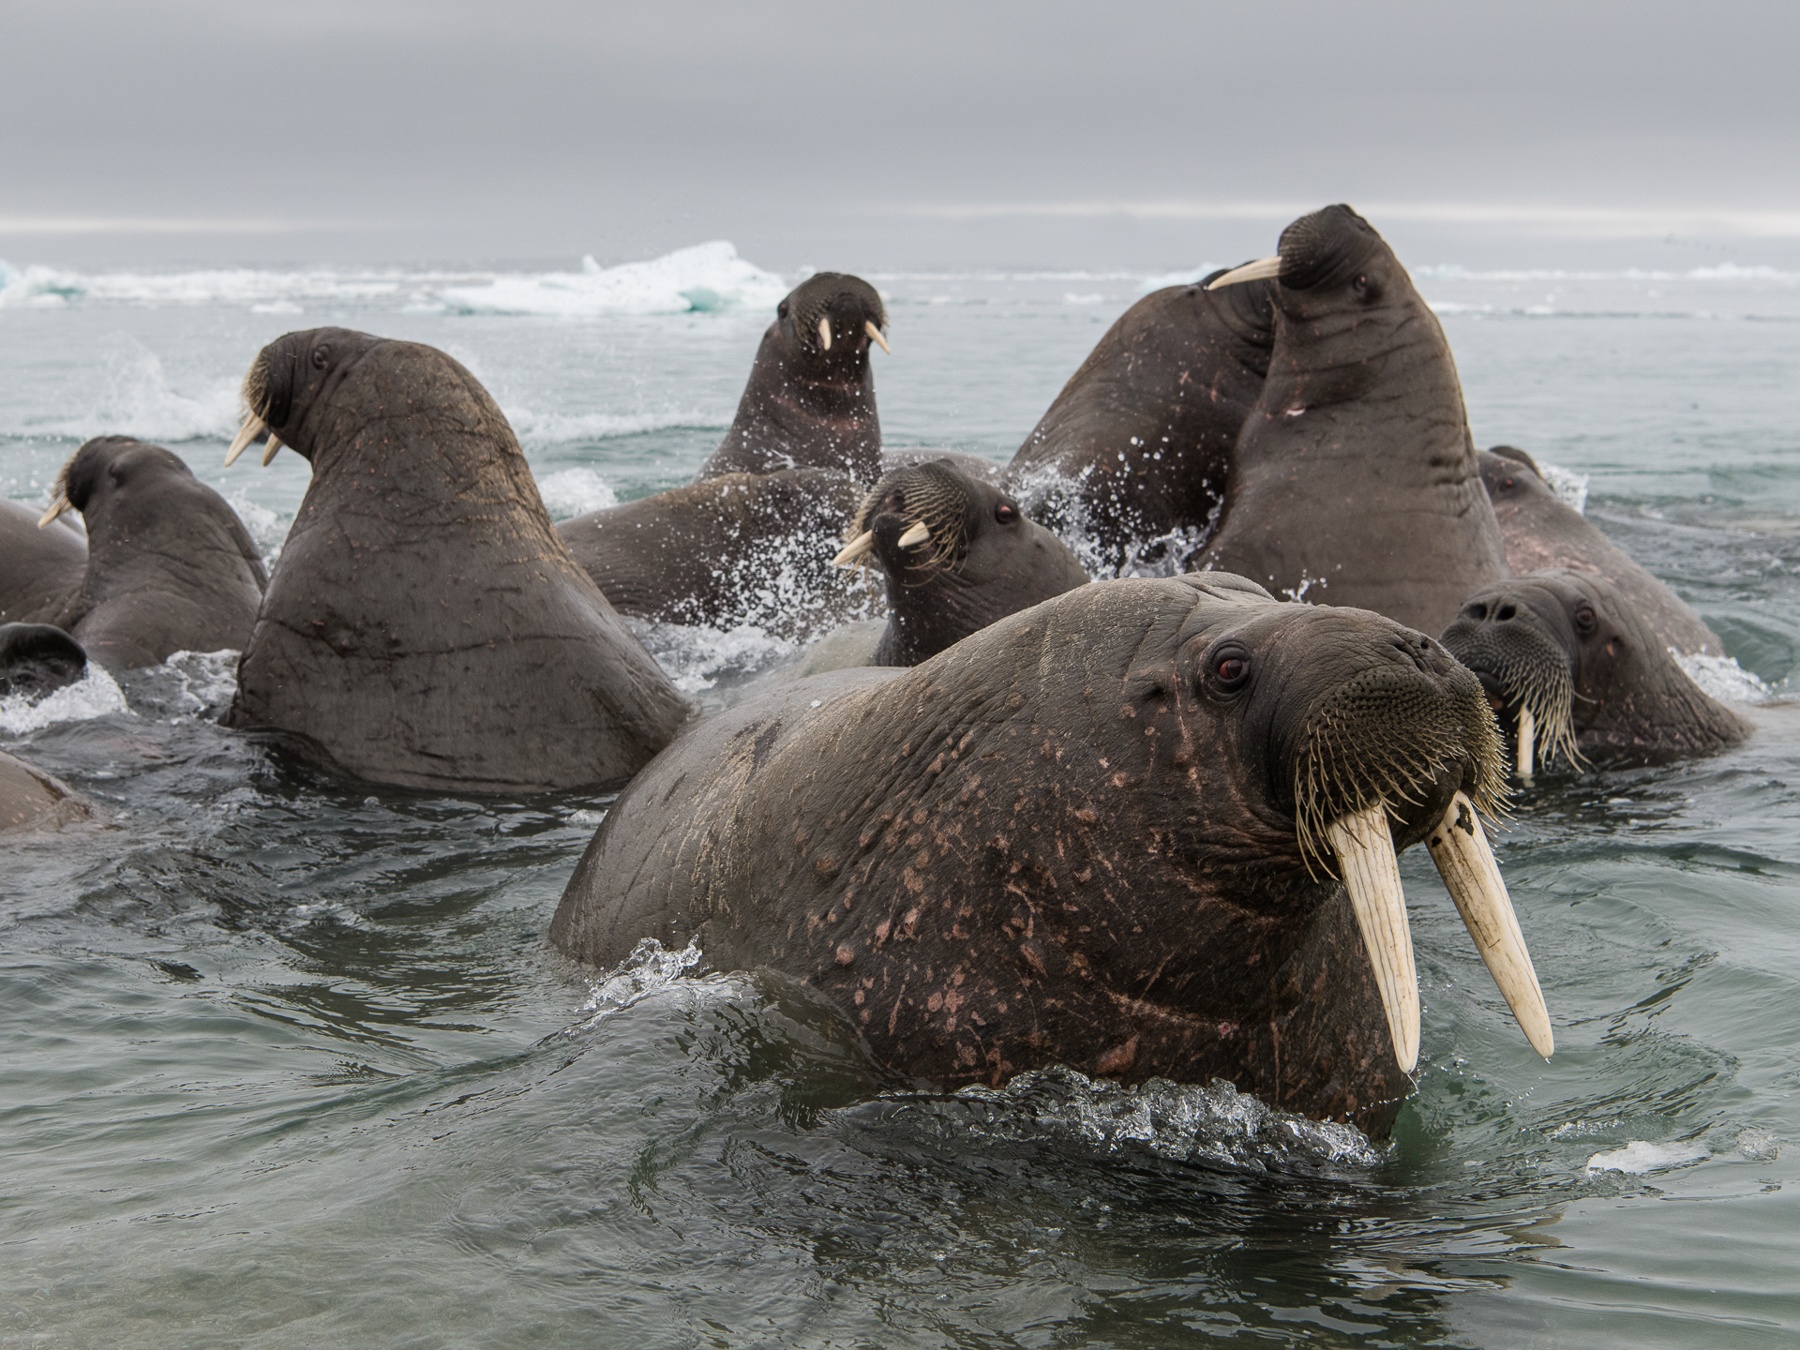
point(426, 625)
point(1104, 832)
point(169, 567)
point(1354, 481)
point(1542, 532)
point(1137, 444)
point(958, 554)
point(39, 568)
point(38, 659)
point(810, 402)
point(1577, 675)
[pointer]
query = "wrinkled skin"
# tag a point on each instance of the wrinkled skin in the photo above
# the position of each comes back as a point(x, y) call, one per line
point(1142, 433)
point(1065, 840)
point(808, 407)
point(1541, 532)
point(39, 569)
point(170, 566)
point(426, 625)
point(985, 559)
point(1354, 481)
point(1622, 696)
point(31, 799)
point(725, 550)
point(38, 659)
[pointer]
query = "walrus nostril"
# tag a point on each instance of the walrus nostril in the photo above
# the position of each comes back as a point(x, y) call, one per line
point(1476, 611)
point(1505, 611)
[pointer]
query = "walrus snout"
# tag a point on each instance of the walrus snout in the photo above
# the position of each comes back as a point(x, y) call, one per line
point(836, 316)
point(285, 380)
point(1519, 642)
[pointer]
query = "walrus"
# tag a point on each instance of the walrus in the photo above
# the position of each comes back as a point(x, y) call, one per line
point(38, 659)
point(31, 799)
point(1104, 832)
point(810, 401)
point(39, 568)
point(1577, 674)
point(736, 548)
point(426, 625)
point(1354, 480)
point(1540, 531)
point(170, 567)
point(957, 554)
point(1138, 443)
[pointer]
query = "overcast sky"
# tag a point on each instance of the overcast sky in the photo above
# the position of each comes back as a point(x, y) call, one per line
point(914, 133)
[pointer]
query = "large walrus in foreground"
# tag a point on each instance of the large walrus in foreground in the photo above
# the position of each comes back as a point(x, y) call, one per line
point(426, 625)
point(1354, 481)
point(1105, 832)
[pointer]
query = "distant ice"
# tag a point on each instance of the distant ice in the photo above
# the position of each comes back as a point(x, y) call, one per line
point(539, 429)
point(1639, 1157)
point(705, 277)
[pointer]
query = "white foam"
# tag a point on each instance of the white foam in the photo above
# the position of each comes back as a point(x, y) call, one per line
point(1758, 1145)
point(188, 684)
point(1639, 1157)
point(705, 277)
point(135, 396)
point(1571, 488)
point(260, 290)
point(650, 968)
point(697, 657)
point(575, 492)
point(1721, 677)
point(95, 694)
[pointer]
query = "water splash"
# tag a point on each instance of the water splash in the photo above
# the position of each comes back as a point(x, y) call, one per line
point(1640, 1156)
point(187, 685)
point(95, 694)
point(1721, 677)
point(575, 492)
point(1571, 488)
point(649, 969)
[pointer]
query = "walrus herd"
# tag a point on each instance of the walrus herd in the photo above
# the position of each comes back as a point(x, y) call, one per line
point(1132, 806)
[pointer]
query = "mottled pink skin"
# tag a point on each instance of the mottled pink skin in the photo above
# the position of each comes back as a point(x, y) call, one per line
point(1054, 843)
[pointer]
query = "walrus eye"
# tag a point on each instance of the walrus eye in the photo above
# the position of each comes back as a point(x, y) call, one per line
point(1366, 288)
point(1585, 622)
point(321, 356)
point(1006, 513)
point(1230, 666)
point(781, 310)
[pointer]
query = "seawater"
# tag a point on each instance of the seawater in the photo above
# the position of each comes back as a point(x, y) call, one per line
point(288, 1061)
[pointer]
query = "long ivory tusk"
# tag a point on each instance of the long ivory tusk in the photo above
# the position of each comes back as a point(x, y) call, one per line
point(1460, 849)
point(1527, 744)
point(825, 333)
point(271, 449)
point(1260, 270)
point(252, 428)
point(875, 336)
point(57, 507)
point(856, 550)
point(918, 533)
point(1371, 872)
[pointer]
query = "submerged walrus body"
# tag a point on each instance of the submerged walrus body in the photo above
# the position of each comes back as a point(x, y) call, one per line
point(1101, 833)
point(31, 799)
point(426, 625)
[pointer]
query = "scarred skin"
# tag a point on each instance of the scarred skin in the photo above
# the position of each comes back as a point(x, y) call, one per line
point(31, 799)
point(1065, 840)
point(39, 569)
point(805, 406)
point(170, 566)
point(725, 550)
point(1354, 481)
point(1631, 703)
point(1542, 532)
point(1144, 430)
point(426, 625)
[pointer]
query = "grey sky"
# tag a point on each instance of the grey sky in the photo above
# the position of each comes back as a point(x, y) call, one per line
point(899, 134)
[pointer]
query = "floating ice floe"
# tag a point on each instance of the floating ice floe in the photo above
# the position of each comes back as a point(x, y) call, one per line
point(1639, 1156)
point(705, 277)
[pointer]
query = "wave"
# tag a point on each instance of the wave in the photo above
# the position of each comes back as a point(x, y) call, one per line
point(703, 278)
point(95, 694)
point(136, 398)
point(574, 492)
point(540, 429)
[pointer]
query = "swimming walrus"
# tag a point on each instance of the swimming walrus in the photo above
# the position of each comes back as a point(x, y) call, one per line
point(39, 568)
point(426, 625)
point(169, 566)
point(810, 400)
point(1576, 673)
point(1137, 444)
point(1104, 832)
point(1354, 481)
point(38, 659)
point(1541, 531)
point(957, 554)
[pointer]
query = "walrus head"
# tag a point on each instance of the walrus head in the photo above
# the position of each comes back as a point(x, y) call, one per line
point(1575, 675)
point(286, 382)
point(1330, 248)
point(830, 319)
point(37, 658)
point(958, 555)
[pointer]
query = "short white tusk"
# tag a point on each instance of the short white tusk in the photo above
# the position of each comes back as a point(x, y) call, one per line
point(1260, 270)
point(57, 507)
point(825, 333)
point(856, 550)
point(918, 533)
point(875, 336)
point(1371, 872)
point(1460, 849)
point(271, 449)
point(1527, 744)
point(252, 428)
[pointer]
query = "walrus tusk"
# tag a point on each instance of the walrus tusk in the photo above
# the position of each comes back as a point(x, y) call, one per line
point(1460, 849)
point(1527, 744)
point(1260, 270)
point(271, 449)
point(918, 533)
point(57, 507)
point(1371, 872)
point(252, 428)
point(875, 336)
point(856, 550)
point(825, 333)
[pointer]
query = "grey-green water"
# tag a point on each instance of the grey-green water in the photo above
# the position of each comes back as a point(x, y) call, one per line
point(287, 1062)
